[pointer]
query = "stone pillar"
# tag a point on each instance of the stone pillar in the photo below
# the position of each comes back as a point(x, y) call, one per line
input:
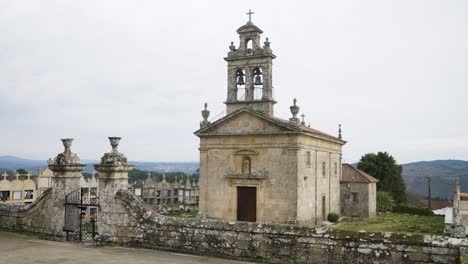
point(113, 176)
point(67, 173)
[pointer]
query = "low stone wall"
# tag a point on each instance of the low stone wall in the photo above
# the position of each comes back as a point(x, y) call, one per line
point(274, 243)
point(35, 217)
point(127, 222)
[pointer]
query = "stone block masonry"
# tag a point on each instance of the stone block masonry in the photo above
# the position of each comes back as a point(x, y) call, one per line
point(275, 243)
point(267, 243)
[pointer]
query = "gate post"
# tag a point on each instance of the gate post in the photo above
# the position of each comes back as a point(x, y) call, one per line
point(113, 176)
point(67, 173)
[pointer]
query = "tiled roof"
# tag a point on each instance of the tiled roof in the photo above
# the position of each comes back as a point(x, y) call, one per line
point(305, 128)
point(435, 204)
point(351, 174)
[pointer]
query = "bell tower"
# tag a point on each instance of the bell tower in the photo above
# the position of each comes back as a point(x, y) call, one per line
point(250, 72)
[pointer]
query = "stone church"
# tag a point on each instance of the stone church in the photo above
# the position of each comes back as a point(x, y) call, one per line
point(258, 167)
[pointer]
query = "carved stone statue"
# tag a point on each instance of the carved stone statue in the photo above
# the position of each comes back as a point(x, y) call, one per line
point(246, 166)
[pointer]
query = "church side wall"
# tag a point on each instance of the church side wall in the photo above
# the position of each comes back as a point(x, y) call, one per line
point(315, 184)
point(275, 243)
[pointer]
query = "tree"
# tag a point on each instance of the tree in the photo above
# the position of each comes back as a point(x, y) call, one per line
point(385, 168)
point(21, 171)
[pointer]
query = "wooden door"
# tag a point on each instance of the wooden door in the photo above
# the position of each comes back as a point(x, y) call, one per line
point(247, 204)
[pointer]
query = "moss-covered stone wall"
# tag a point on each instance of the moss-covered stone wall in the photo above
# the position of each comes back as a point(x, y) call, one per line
point(276, 243)
point(36, 217)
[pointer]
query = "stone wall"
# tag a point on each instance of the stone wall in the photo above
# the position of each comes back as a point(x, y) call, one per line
point(35, 217)
point(275, 243)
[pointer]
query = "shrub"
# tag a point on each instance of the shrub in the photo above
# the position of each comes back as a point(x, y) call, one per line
point(385, 202)
point(332, 217)
point(412, 210)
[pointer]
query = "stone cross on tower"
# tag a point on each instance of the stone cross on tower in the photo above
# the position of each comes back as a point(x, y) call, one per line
point(4, 175)
point(250, 13)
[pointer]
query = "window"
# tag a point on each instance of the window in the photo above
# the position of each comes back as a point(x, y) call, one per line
point(138, 191)
point(354, 197)
point(158, 193)
point(93, 211)
point(169, 192)
point(28, 194)
point(17, 195)
point(4, 195)
point(308, 161)
point(336, 168)
point(324, 169)
point(93, 191)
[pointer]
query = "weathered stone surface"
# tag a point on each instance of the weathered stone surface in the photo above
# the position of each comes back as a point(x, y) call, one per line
point(276, 243)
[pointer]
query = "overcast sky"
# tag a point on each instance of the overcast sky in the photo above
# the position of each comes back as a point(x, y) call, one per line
point(393, 73)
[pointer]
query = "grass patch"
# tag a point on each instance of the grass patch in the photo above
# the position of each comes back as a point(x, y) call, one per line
point(191, 214)
point(396, 222)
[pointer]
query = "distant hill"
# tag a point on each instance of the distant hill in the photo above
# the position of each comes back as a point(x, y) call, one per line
point(442, 173)
point(415, 174)
point(14, 163)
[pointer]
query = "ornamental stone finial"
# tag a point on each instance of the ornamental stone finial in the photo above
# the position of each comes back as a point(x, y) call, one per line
point(66, 157)
point(294, 111)
point(205, 114)
point(339, 131)
point(232, 47)
point(17, 175)
point(114, 158)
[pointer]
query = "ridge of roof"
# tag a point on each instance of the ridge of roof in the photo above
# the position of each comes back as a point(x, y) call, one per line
point(352, 174)
point(277, 120)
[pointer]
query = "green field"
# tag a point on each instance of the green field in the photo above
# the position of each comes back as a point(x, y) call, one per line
point(393, 222)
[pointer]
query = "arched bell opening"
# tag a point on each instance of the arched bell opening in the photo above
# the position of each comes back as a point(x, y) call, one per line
point(249, 46)
point(258, 84)
point(240, 85)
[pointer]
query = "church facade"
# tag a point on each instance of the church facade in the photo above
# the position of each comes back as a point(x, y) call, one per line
point(255, 166)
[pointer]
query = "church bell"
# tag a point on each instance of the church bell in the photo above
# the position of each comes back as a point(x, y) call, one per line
point(240, 80)
point(258, 80)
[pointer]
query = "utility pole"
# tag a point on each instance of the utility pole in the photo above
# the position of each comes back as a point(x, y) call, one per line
point(429, 191)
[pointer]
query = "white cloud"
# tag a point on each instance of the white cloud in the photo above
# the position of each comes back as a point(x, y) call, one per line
point(394, 74)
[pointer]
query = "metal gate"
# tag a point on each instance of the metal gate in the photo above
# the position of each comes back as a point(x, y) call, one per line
point(81, 215)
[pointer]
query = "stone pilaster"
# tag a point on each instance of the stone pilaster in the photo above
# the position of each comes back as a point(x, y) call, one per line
point(113, 176)
point(67, 173)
